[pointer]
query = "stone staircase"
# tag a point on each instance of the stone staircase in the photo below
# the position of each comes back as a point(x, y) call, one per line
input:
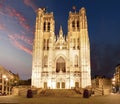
point(22, 91)
point(59, 92)
point(98, 91)
point(102, 91)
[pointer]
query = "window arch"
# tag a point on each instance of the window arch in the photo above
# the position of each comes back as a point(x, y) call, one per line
point(73, 24)
point(44, 26)
point(60, 65)
point(47, 44)
point(44, 44)
point(48, 26)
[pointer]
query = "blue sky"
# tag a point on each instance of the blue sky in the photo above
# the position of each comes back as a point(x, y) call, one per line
point(17, 21)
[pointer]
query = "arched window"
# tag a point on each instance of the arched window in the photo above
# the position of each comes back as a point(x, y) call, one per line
point(48, 26)
point(44, 44)
point(78, 47)
point(77, 84)
point(47, 44)
point(60, 65)
point(76, 61)
point(44, 26)
point(74, 43)
point(73, 24)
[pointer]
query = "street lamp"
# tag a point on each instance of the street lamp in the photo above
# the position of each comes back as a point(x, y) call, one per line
point(4, 76)
point(113, 85)
point(6, 79)
point(3, 83)
point(113, 81)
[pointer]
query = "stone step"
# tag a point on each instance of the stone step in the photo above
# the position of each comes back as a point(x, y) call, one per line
point(98, 91)
point(58, 92)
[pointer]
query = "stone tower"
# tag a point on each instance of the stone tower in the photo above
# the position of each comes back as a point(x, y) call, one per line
point(61, 61)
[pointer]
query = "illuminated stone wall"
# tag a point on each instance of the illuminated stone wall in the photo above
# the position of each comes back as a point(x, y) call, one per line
point(116, 81)
point(6, 81)
point(61, 61)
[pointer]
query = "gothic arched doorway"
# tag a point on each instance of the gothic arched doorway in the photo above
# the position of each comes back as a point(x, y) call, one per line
point(60, 65)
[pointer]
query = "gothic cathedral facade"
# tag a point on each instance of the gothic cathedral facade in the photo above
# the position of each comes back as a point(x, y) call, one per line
point(61, 61)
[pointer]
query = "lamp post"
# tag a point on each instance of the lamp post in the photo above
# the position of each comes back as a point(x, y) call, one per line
point(113, 85)
point(102, 82)
point(3, 84)
point(113, 81)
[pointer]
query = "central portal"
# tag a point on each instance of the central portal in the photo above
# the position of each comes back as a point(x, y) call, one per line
point(60, 65)
point(60, 85)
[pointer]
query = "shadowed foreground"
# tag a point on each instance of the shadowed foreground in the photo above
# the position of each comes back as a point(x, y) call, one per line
point(110, 99)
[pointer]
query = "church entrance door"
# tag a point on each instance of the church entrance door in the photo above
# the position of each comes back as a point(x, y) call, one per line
point(63, 85)
point(60, 65)
point(45, 84)
point(60, 85)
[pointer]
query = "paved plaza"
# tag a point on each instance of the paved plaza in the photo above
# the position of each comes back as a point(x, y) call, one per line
point(110, 99)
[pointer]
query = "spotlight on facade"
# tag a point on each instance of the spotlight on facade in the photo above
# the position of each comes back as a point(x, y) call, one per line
point(113, 81)
point(4, 76)
point(6, 79)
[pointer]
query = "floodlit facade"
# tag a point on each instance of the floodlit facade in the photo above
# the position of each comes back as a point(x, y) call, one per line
point(61, 61)
point(116, 80)
point(6, 78)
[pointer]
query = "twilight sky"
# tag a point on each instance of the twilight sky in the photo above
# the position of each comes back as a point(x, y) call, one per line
point(17, 21)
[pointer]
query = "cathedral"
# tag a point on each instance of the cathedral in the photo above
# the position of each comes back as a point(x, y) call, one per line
point(61, 61)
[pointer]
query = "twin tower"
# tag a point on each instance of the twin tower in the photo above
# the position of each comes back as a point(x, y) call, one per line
point(61, 61)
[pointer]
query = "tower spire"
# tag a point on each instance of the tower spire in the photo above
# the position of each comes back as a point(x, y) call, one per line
point(74, 8)
point(83, 18)
point(60, 32)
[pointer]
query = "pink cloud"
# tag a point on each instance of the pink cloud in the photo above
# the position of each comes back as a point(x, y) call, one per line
point(31, 4)
point(1, 13)
point(17, 39)
point(19, 45)
point(6, 10)
point(9, 11)
point(2, 27)
point(25, 49)
point(21, 19)
point(1, 2)
point(16, 36)
point(23, 38)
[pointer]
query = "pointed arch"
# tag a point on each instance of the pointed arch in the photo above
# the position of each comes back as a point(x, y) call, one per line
point(48, 26)
point(60, 65)
point(73, 25)
point(44, 26)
